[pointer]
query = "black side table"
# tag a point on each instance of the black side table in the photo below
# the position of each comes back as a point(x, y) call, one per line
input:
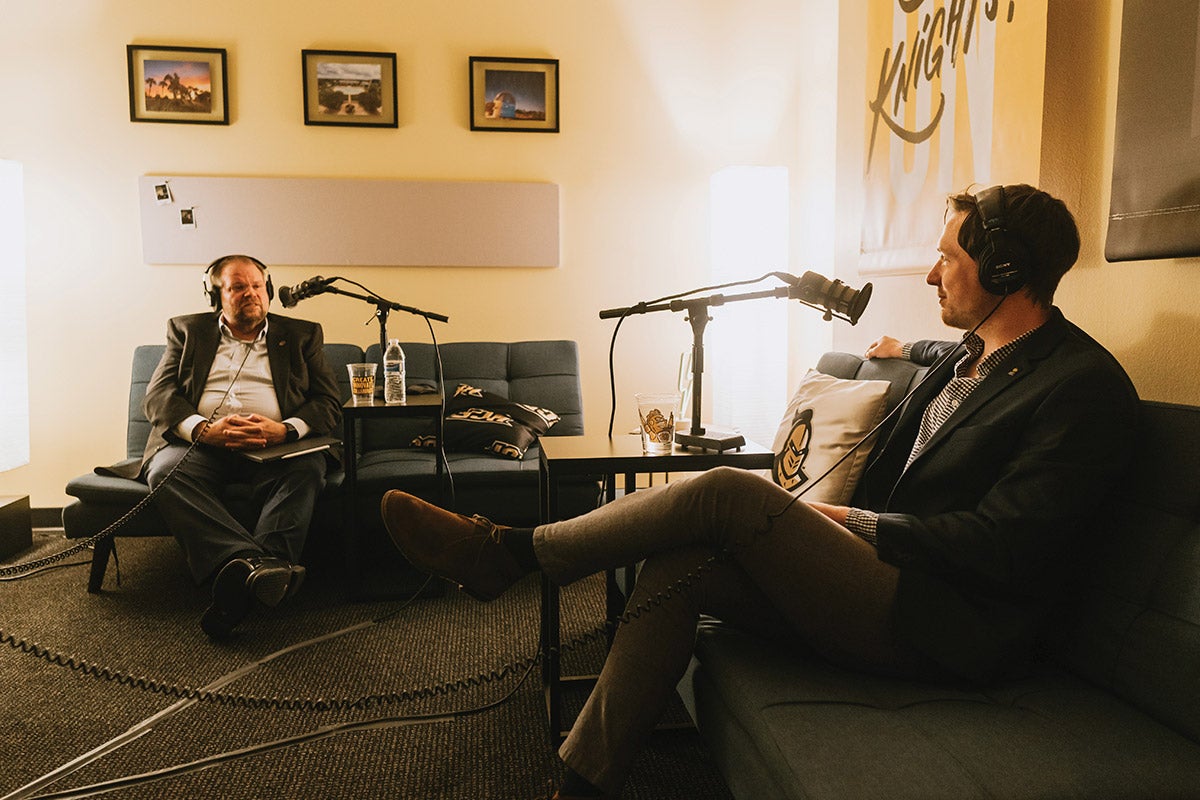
point(421, 405)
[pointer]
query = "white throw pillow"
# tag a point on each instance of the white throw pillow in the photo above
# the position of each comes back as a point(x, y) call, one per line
point(825, 418)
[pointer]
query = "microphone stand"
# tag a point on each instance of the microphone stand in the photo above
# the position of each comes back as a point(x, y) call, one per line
point(697, 310)
point(383, 308)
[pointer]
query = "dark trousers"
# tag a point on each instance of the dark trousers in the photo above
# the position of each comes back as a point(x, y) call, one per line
point(194, 503)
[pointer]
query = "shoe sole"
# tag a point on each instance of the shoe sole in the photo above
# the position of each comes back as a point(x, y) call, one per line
point(271, 585)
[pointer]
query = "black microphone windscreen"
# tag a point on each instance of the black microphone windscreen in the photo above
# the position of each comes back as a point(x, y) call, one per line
point(859, 304)
point(285, 297)
point(832, 295)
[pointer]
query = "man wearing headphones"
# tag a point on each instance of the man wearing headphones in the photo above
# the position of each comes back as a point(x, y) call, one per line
point(952, 547)
point(234, 381)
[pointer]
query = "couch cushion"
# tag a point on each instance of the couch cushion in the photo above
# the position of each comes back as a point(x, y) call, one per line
point(82, 519)
point(540, 373)
point(137, 428)
point(902, 375)
point(339, 355)
point(785, 724)
point(1132, 622)
point(94, 487)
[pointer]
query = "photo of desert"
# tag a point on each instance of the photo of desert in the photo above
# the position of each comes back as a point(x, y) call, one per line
point(178, 86)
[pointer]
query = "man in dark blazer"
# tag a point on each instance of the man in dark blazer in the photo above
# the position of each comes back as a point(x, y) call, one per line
point(943, 563)
point(229, 383)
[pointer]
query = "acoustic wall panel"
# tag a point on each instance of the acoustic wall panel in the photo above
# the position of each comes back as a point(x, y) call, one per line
point(343, 221)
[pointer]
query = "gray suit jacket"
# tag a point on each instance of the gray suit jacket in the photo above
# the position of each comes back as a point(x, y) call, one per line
point(304, 383)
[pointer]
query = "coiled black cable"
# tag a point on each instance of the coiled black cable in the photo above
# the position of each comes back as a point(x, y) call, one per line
point(359, 703)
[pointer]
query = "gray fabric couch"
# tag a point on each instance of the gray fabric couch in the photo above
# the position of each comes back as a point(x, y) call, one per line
point(542, 373)
point(1110, 710)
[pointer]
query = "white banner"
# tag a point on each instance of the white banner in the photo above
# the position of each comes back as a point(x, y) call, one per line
point(954, 99)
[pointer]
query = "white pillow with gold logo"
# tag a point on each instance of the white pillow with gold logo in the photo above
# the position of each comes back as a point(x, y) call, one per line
point(825, 418)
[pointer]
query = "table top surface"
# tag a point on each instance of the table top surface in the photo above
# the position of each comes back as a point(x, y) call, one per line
point(623, 453)
point(414, 404)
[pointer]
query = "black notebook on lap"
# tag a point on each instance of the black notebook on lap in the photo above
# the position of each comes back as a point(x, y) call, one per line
point(310, 444)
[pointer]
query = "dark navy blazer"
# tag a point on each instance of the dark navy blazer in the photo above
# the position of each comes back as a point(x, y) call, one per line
point(983, 520)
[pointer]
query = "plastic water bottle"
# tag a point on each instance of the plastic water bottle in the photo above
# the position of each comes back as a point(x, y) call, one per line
point(393, 373)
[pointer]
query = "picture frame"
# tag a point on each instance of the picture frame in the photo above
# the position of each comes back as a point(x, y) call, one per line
point(188, 85)
point(514, 94)
point(349, 88)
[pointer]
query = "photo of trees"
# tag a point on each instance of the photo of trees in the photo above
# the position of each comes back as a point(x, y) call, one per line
point(178, 86)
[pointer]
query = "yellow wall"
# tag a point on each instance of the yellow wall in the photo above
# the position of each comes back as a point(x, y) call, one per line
point(656, 97)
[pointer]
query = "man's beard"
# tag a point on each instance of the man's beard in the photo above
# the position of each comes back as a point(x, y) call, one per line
point(249, 314)
point(963, 318)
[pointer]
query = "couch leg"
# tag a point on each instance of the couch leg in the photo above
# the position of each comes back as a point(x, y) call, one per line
point(100, 556)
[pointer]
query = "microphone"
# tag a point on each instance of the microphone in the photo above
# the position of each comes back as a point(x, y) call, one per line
point(289, 296)
point(834, 296)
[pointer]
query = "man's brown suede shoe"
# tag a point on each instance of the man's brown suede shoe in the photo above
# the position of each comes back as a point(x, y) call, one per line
point(468, 551)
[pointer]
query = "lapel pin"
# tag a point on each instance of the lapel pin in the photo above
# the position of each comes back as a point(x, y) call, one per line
point(1013, 371)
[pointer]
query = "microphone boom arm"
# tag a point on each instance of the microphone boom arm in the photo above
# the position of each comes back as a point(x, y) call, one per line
point(383, 307)
point(795, 292)
point(697, 309)
point(381, 302)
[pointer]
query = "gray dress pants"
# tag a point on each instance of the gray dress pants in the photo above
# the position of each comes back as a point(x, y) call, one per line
point(799, 575)
point(192, 503)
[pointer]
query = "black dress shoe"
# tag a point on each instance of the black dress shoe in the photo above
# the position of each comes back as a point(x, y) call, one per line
point(242, 581)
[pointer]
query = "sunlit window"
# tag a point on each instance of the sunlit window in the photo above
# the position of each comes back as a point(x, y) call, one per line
point(14, 359)
point(746, 343)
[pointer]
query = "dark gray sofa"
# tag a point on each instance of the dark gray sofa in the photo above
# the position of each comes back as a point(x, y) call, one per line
point(1111, 709)
point(543, 373)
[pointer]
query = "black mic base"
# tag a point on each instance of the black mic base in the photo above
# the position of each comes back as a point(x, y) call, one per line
point(711, 439)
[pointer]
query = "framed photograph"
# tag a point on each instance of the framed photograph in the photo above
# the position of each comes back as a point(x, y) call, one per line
point(177, 84)
point(514, 94)
point(344, 87)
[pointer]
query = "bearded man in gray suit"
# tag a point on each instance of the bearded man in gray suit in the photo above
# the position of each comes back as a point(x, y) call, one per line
point(239, 380)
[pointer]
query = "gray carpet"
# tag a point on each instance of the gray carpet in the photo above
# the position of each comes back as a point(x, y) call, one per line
point(51, 716)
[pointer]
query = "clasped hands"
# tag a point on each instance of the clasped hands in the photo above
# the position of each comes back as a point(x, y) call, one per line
point(242, 432)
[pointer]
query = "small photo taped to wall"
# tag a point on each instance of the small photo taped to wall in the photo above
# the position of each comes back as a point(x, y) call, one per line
point(162, 193)
point(187, 218)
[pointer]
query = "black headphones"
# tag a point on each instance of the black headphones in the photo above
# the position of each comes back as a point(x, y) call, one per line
point(1004, 260)
point(213, 293)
